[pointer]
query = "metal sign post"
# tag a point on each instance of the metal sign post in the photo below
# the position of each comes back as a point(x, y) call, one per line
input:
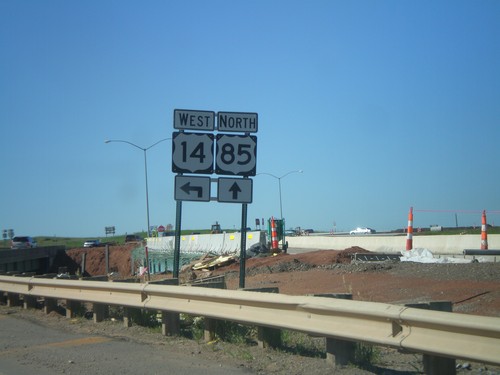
point(177, 244)
point(243, 252)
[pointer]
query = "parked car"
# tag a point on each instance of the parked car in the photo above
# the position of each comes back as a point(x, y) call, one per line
point(362, 231)
point(132, 238)
point(23, 242)
point(92, 243)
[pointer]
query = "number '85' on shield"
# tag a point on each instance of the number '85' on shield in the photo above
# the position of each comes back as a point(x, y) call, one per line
point(236, 155)
point(193, 153)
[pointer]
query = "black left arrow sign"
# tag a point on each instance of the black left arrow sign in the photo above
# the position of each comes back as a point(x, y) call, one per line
point(187, 188)
point(235, 189)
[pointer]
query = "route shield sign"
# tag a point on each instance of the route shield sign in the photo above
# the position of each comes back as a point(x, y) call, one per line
point(192, 188)
point(193, 153)
point(234, 190)
point(236, 155)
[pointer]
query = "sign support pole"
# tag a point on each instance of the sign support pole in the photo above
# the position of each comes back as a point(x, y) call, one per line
point(243, 244)
point(177, 245)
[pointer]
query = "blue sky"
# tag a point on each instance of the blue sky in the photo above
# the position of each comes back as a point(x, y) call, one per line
point(384, 105)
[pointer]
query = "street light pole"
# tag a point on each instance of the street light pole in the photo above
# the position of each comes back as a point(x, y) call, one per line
point(144, 149)
point(279, 185)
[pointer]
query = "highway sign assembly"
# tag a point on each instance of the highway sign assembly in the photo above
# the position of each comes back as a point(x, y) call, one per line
point(197, 150)
point(234, 190)
point(192, 188)
point(192, 153)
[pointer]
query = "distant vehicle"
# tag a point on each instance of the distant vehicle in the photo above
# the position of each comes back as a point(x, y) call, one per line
point(308, 231)
point(132, 238)
point(23, 242)
point(290, 233)
point(92, 243)
point(362, 231)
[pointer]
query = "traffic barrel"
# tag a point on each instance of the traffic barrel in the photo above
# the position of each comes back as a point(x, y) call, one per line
point(484, 232)
point(409, 235)
point(274, 235)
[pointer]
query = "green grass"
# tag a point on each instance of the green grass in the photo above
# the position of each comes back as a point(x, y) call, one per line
point(456, 231)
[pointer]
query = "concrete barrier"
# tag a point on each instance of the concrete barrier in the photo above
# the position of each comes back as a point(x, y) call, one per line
point(202, 243)
point(437, 244)
point(230, 242)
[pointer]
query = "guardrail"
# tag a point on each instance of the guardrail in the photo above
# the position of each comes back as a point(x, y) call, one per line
point(481, 252)
point(452, 335)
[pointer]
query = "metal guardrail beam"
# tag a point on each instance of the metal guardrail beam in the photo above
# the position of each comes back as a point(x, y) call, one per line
point(468, 337)
point(481, 252)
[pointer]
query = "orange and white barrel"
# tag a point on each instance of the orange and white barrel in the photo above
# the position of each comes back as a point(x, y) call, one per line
point(409, 235)
point(484, 232)
point(274, 235)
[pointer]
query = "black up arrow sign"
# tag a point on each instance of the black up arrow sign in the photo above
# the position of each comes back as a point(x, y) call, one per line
point(235, 189)
point(187, 188)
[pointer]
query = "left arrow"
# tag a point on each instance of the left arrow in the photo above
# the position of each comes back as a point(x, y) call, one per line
point(187, 188)
point(235, 189)
point(192, 188)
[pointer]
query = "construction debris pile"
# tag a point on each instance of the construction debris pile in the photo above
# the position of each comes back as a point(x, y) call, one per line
point(202, 267)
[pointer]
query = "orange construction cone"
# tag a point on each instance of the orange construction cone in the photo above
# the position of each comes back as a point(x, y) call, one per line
point(274, 235)
point(484, 232)
point(409, 235)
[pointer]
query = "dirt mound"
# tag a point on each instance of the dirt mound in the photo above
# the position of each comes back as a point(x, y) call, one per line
point(120, 260)
point(313, 258)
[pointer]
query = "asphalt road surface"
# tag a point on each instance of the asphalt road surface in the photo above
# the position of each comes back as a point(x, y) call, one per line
point(28, 348)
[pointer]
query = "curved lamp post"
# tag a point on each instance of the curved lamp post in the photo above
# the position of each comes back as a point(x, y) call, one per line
point(279, 184)
point(144, 149)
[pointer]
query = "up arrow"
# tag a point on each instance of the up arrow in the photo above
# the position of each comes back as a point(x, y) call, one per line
point(187, 188)
point(235, 189)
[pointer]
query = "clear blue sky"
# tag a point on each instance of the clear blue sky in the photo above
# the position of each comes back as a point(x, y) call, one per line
point(385, 105)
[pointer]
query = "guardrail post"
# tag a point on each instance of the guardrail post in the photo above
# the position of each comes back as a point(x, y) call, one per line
point(127, 316)
point(29, 302)
point(71, 308)
point(339, 352)
point(13, 300)
point(267, 337)
point(435, 365)
point(100, 312)
point(49, 305)
point(129, 313)
point(170, 323)
point(209, 329)
point(210, 324)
